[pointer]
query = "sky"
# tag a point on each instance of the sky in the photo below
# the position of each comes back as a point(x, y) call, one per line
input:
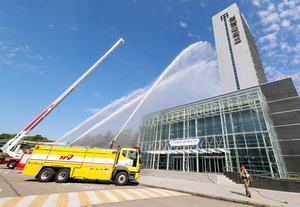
point(45, 46)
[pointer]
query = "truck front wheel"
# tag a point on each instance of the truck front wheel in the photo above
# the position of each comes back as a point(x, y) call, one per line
point(62, 175)
point(121, 178)
point(12, 165)
point(46, 175)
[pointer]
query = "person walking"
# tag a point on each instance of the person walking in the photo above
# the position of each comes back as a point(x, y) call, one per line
point(245, 177)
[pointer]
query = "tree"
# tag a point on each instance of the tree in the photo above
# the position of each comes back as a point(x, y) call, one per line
point(127, 138)
point(7, 136)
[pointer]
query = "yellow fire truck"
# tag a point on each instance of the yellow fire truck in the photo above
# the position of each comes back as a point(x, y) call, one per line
point(64, 162)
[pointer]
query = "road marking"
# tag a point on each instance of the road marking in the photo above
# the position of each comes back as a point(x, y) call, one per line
point(110, 196)
point(93, 197)
point(135, 194)
point(4, 200)
point(27, 199)
point(86, 198)
point(50, 201)
point(64, 199)
point(73, 199)
point(12, 201)
point(152, 195)
point(125, 195)
point(38, 201)
point(257, 198)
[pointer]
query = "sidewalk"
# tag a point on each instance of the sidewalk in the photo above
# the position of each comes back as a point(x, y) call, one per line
point(230, 192)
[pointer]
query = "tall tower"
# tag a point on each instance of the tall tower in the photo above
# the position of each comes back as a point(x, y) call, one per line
point(238, 59)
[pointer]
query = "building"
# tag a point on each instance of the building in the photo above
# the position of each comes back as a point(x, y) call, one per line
point(238, 59)
point(257, 127)
point(254, 123)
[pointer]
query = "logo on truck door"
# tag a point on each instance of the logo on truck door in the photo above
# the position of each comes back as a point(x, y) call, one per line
point(68, 157)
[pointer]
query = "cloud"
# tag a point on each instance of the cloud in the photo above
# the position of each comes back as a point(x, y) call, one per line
point(35, 57)
point(74, 28)
point(96, 95)
point(296, 61)
point(21, 48)
point(285, 46)
point(286, 23)
point(278, 38)
point(11, 55)
point(29, 67)
point(297, 48)
point(270, 18)
point(203, 4)
point(195, 36)
point(256, 3)
point(183, 24)
point(269, 37)
point(20, 58)
point(286, 3)
point(271, 28)
point(22, 9)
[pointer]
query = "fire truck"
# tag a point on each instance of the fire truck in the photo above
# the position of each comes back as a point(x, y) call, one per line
point(17, 163)
point(12, 147)
point(61, 163)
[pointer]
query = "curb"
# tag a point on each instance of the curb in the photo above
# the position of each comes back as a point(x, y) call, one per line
point(209, 196)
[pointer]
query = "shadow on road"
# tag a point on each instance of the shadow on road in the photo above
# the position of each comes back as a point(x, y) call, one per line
point(103, 182)
point(238, 193)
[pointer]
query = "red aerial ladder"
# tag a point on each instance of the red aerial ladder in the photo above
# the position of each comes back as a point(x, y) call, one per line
point(12, 147)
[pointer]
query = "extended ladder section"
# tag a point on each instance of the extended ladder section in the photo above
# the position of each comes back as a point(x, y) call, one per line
point(12, 147)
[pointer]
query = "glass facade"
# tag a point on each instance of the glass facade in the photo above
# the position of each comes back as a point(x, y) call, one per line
point(232, 130)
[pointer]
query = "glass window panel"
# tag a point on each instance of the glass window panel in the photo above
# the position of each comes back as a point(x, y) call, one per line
point(180, 129)
point(249, 128)
point(217, 131)
point(209, 132)
point(229, 130)
point(251, 140)
point(240, 141)
point(208, 122)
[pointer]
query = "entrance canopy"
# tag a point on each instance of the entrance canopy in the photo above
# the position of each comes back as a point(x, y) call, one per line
point(194, 151)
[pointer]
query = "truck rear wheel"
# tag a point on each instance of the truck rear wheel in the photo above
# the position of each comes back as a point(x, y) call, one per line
point(12, 165)
point(62, 175)
point(121, 179)
point(46, 175)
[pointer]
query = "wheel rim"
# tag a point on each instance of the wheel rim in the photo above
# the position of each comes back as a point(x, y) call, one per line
point(45, 175)
point(121, 178)
point(61, 175)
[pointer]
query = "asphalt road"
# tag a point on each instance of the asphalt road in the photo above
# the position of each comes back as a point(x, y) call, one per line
point(21, 190)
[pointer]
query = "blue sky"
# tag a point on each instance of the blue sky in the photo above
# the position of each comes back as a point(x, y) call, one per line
point(47, 45)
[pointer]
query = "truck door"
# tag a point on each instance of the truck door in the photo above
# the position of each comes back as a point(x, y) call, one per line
point(129, 158)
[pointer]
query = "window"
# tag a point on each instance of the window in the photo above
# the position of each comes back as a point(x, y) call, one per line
point(124, 153)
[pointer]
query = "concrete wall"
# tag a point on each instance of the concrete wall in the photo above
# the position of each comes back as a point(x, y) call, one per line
point(280, 185)
point(284, 104)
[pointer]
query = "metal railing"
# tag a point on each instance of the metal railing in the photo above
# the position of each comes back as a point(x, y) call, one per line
point(258, 175)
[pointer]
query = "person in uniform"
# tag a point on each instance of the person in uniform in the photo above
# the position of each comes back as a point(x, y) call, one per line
point(245, 177)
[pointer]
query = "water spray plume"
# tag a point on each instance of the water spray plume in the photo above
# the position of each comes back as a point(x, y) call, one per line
point(109, 117)
point(142, 101)
point(148, 92)
point(89, 119)
point(191, 76)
